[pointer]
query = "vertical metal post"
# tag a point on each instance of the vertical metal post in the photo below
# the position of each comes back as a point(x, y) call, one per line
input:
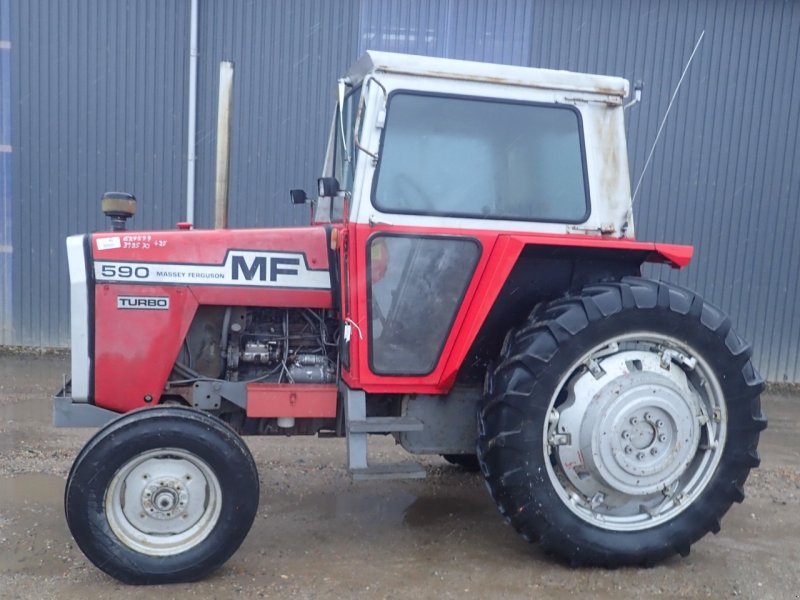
point(6, 249)
point(191, 150)
point(223, 144)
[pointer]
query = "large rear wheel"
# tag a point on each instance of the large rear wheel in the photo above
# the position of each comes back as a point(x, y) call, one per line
point(162, 495)
point(620, 425)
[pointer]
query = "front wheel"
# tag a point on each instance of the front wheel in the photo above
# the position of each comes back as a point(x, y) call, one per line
point(620, 425)
point(161, 495)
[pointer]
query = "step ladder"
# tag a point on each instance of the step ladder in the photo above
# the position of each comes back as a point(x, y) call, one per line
point(359, 426)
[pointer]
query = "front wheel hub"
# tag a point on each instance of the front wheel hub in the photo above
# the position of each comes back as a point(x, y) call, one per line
point(163, 502)
point(165, 499)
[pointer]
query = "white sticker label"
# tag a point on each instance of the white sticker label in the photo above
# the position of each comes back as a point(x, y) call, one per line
point(108, 243)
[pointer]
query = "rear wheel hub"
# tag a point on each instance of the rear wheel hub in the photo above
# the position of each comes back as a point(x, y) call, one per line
point(631, 434)
point(639, 432)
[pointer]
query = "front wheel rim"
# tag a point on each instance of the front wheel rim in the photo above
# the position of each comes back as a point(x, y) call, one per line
point(635, 431)
point(163, 502)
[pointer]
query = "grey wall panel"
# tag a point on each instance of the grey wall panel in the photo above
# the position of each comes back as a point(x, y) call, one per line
point(99, 97)
point(99, 94)
point(723, 175)
point(287, 57)
point(465, 29)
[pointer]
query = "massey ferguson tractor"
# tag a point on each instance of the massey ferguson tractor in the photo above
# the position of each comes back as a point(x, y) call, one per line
point(469, 283)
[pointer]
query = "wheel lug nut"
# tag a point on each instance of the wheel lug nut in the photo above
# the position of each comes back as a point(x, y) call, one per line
point(647, 417)
point(625, 435)
point(653, 451)
point(628, 449)
point(634, 420)
point(659, 423)
point(640, 456)
point(662, 438)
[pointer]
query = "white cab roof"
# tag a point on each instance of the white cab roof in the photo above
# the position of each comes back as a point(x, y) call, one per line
point(465, 70)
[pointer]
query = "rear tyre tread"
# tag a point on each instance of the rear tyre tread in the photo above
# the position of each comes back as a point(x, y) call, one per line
point(526, 358)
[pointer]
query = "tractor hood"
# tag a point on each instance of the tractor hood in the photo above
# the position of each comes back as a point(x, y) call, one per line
point(120, 279)
point(262, 259)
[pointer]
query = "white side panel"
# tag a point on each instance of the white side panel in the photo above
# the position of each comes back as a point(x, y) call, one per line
point(241, 268)
point(607, 164)
point(79, 318)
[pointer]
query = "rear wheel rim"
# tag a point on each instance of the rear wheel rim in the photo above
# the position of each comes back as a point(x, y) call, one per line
point(635, 431)
point(163, 502)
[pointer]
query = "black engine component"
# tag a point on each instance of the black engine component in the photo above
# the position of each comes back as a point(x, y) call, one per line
point(270, 345)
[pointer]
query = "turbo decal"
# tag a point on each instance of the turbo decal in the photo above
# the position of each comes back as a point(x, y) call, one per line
point(241, 268)
point(143, 302)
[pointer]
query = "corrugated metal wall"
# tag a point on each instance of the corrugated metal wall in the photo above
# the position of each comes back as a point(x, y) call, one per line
point(287, 56)
point(99, 97)
point(723, 176)
point(466, 29)
point(99, 102)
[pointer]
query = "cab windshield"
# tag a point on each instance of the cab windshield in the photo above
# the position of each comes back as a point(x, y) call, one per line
point(481, 158)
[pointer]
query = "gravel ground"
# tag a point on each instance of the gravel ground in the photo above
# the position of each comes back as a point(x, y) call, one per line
point(319, 535)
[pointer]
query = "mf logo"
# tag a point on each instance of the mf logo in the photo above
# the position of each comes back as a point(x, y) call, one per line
point(263, 268)
point(143, 302)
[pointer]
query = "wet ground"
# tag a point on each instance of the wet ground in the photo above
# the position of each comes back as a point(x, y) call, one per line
point(318, 535)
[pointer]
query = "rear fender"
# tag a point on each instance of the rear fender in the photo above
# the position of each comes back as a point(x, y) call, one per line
point(524, 270)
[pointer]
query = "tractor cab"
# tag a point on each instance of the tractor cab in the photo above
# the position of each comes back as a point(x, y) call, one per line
point(436, 168)
point(428, 142)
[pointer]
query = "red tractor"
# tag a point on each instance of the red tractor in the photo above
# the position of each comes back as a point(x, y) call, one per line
point(469, 283)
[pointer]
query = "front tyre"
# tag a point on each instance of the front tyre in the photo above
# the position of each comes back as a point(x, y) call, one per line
point(161, 495)
point(620, 425)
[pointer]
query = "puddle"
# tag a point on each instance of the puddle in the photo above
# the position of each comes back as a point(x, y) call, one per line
point(27, 409)
point(429, 511)
point(392, 511)
point(778, 443)
point(351, 508)
point(30, 488)
point(24, 372)
point(27, 384)
point(33, 533)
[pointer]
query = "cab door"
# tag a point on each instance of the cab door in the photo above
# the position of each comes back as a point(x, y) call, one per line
point(415, 285)
point(402, 299)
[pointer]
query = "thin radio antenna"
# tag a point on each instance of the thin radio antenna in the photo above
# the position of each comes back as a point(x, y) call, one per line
point(664, 120)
